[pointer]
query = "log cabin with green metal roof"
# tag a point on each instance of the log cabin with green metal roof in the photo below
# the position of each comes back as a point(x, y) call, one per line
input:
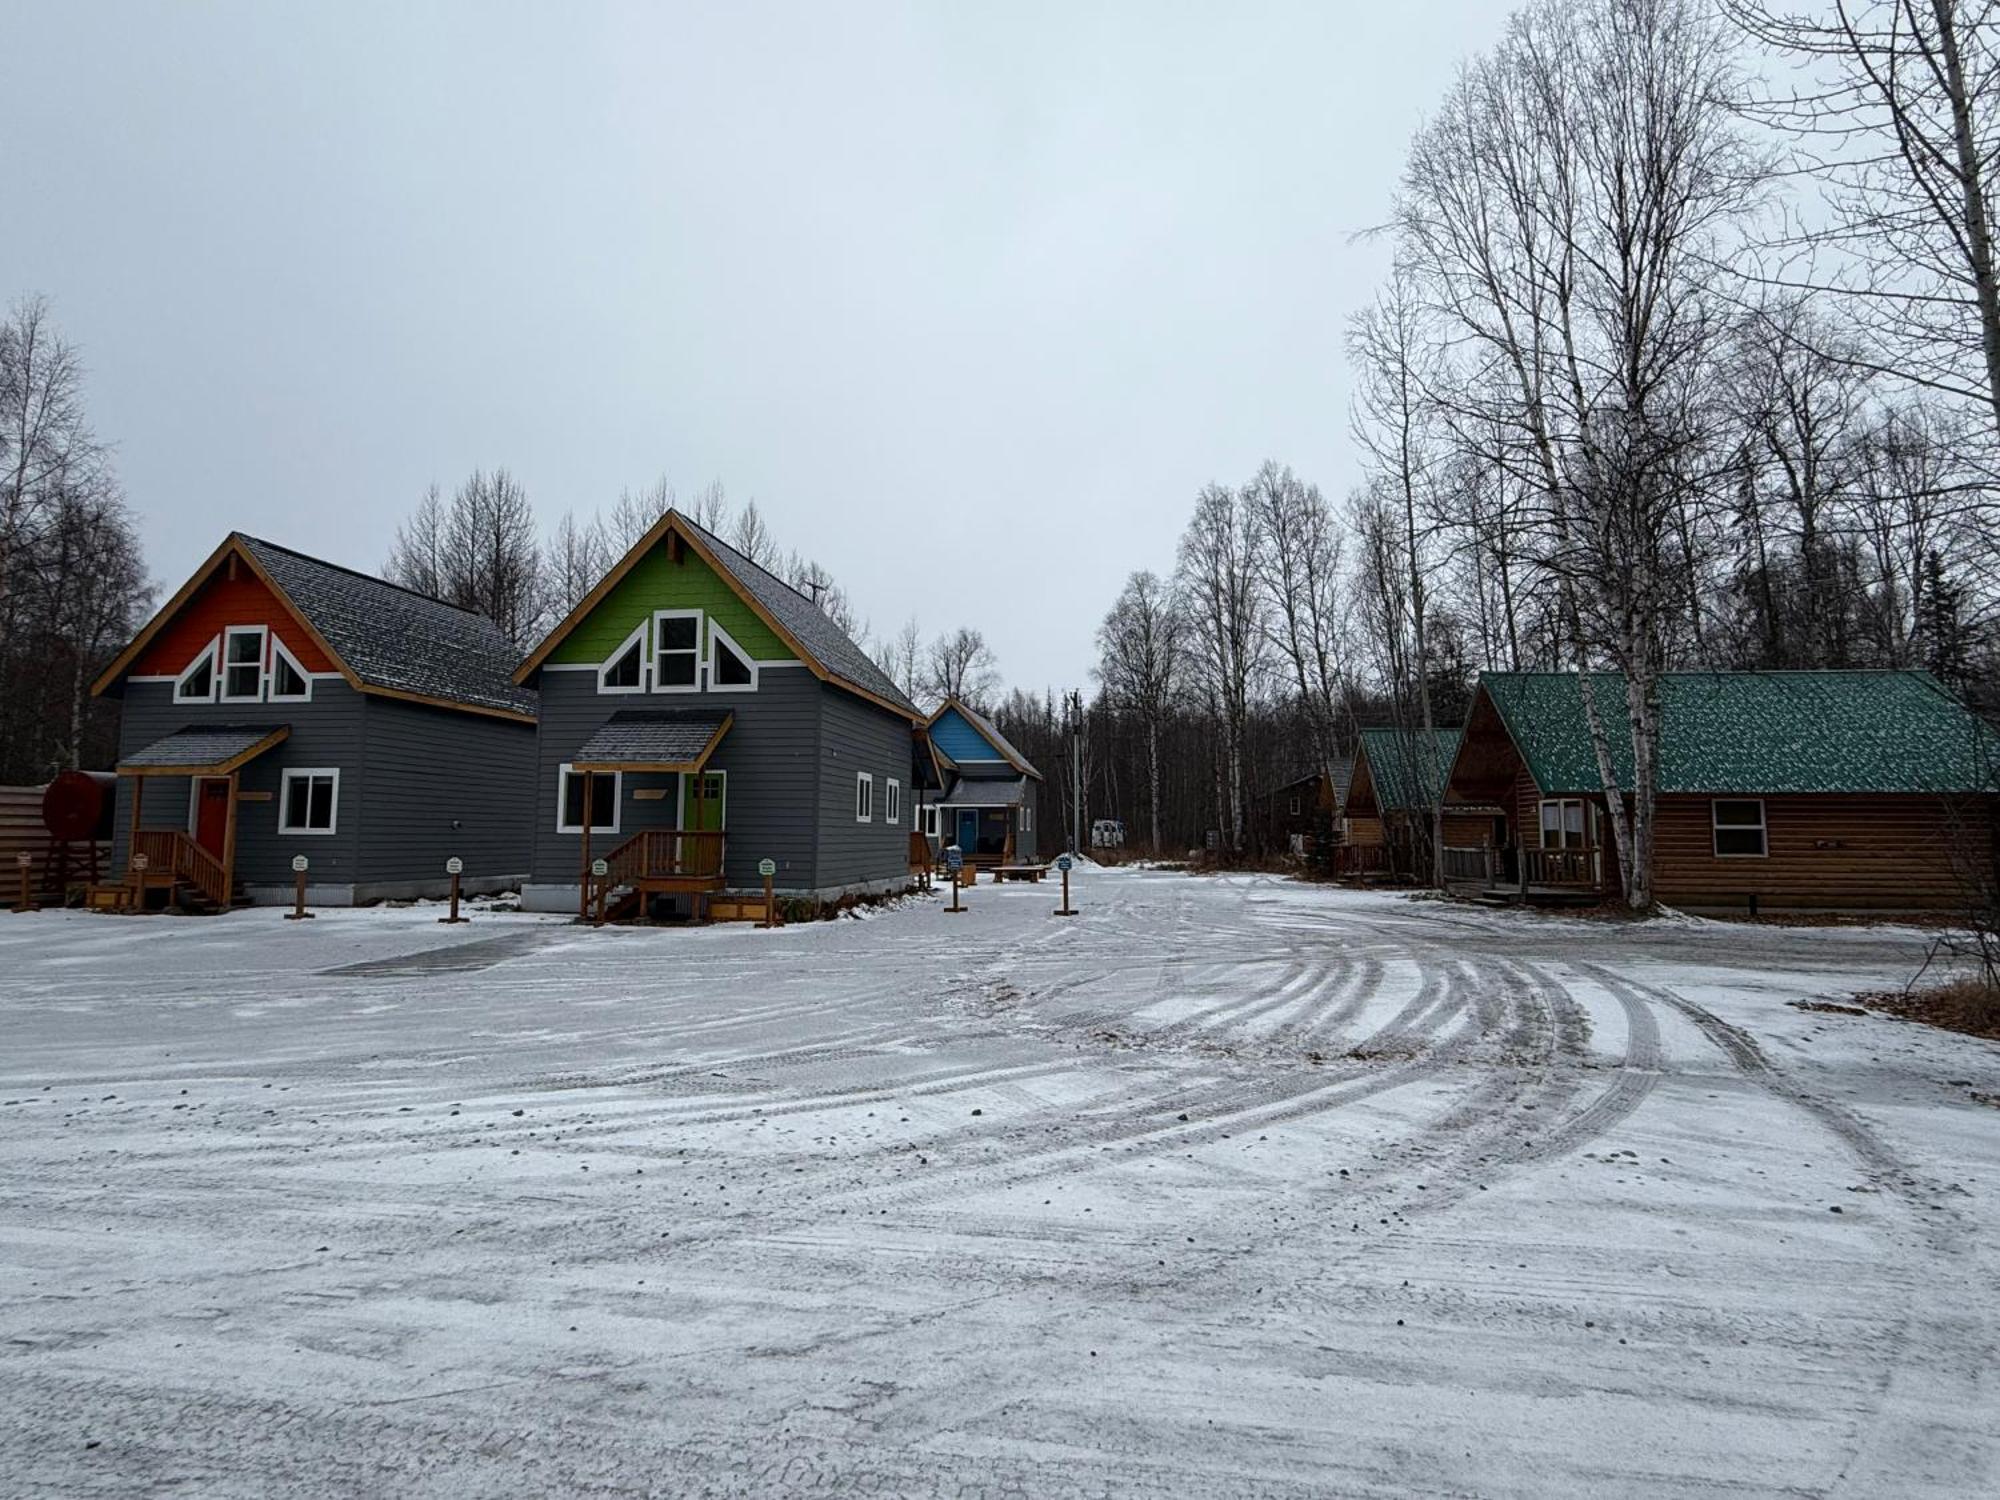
point(699, 716)
point(1396, 777)
point(1796, 791)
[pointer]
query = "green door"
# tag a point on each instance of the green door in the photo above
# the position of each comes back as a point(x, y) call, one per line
point(704, 814)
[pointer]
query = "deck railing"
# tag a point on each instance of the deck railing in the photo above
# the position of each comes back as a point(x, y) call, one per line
point(1578, 869)
point(1468, 863)
point(665, 854)
point(172, 856)
point(1362, 859)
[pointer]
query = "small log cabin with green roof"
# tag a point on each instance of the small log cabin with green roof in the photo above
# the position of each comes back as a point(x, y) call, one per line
point(1393, 782)
point(698, 716)
point(1797, 791)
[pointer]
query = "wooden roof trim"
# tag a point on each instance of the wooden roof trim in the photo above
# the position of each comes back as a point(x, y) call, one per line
point(232, 545)
point(595, 597)
point(490, 710)
point(692, 767)
point(213, 768)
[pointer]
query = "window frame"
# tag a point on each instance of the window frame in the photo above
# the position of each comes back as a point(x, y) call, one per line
point(262, 634)
point(717, 635)
point(291, 774)
point(864, 796)
point(212, 655)
point(892, 801)
point(1026, 822)
point(1562, 804)
point(1716, 828)
point(698, 651)
point(636, 639)
point(928, 820)
point(278, 652)
point(563, 774)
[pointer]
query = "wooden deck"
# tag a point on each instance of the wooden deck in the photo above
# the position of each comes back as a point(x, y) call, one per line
point(659, 862)
point(1575, 876)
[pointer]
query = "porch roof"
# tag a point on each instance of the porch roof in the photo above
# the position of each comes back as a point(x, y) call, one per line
point(990, 791)
point(208, 750)
point(653, 740)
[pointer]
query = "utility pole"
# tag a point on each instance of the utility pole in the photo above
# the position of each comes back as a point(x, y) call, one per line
point(1076, 773)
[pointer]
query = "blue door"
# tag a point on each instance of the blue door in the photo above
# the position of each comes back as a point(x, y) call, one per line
point(968, 829)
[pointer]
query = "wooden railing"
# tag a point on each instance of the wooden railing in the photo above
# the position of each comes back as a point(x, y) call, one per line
point(664, 854)
point(1362, 859)
point(1468, 863)
point(172, 855)
point(1579, 869)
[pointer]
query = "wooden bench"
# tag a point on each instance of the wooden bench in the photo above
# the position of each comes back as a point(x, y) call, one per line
point(1019, 872)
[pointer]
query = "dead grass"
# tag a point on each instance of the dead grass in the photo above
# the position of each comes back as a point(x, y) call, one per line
point(1965, 1005)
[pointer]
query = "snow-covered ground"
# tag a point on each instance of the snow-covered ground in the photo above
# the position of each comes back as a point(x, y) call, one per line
point(1227, 1186)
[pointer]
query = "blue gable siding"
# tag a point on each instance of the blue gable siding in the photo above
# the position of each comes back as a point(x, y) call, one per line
point(958, 739)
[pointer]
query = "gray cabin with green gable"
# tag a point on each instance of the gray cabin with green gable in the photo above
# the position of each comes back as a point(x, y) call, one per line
point(699, 716)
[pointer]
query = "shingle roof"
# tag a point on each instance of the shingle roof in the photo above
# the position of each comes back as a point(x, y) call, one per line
point(987, 791)
point(806, 622)
point(651, 737)
point(206, 745)
point(1757, 732)
point(396, 638)
point(1407, 767)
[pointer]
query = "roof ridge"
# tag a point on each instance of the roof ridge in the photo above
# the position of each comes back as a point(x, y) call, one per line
point(375, 578)
point(750, 562)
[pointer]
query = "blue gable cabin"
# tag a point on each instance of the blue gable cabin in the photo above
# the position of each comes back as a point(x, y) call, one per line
point(989, 804)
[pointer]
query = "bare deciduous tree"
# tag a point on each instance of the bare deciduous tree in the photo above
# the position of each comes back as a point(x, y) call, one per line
point(1139, 662)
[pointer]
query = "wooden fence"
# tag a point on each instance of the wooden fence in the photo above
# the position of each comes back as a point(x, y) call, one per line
point(21, 829)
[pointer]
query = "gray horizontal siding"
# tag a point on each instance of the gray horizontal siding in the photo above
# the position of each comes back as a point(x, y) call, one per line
point(857, 736)
point(441, 784)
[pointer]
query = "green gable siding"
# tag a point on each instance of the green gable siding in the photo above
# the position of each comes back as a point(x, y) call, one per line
point(1756, 732)
point(657, 582)
point(1408, 768)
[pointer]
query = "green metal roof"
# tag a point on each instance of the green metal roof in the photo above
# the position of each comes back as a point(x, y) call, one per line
point(1408, 767)
point(1758, 732)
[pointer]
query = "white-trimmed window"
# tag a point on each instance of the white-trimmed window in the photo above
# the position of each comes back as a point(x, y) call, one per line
point(242, 664)
point(927, 820)
point(892, 801)
point(1739, 829)
point(606, 788)
point(290, 682)
point(624, 671)
point(196, 684)
point(731, 669)
point(677, 651)
point(864, 797)
point(1562, 823)
point(309, 800)
point(1027, 817)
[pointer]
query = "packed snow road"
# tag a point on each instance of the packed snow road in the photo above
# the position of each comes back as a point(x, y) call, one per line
point(1224, 1187)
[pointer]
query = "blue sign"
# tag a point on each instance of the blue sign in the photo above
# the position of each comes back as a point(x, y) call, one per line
point(1064, 862)
point(954, 857)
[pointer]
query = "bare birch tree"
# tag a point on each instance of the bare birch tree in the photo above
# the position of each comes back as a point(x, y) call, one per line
point(1139, 663)
point(1227, 642)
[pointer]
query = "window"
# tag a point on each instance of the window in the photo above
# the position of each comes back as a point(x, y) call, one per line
point(927, 820)
point(197, 683)
point(1562, 824)
point(242, 663)
point(625, 672)
point(308, 801)
point(729, 665)
point(892, 801)
point(289, 682)
point(864, 797)
point(1027, 818)
point(677, 651)
point(1294, 807)
point(1739, 830)
point(604, 790)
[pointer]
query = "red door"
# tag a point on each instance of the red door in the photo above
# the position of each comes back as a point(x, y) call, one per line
point(211, 815)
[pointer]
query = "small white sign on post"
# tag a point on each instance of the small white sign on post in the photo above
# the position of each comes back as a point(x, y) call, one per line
point(139, 863)
point(299, 864)
point(600, 868)
point(954, 857)
point(454, 866)
point(767, 867)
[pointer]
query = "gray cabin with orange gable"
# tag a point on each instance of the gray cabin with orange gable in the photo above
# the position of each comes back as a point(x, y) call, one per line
point(699, 716)
point(280, 706)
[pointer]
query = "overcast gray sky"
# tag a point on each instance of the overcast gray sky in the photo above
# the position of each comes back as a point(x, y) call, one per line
point(934, 284)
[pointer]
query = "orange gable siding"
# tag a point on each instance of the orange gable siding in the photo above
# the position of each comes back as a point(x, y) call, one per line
point(224, 601)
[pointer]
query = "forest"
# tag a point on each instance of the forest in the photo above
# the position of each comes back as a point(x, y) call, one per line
point(1687, 356)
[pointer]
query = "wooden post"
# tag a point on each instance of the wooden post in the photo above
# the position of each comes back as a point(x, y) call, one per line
point(452, 867)
point(229, 847)
point(132, 843)
point(770, 900)
point(298, 913)
point(583, 868)
point(1065, 910)
point(27, 863)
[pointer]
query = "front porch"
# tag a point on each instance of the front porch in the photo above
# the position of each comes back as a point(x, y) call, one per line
point(1575, 877)
point(189, 862)
point(623, 882)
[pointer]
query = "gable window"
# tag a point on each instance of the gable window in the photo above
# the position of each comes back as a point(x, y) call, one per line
point(864, 797)
point(242, 663)
point(729, 665)
point(625, 672)
point(892, 801)
point(309, 801)
point(677, 651)
point(1739, 830)
point(289, 682)
point(1562, 824)
point(197, 683)
point(927, 820)
point(604, 790)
